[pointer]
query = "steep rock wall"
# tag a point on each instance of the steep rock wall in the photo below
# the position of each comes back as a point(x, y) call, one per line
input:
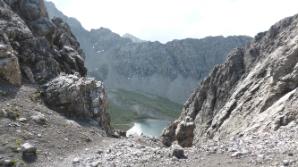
point(252, 92)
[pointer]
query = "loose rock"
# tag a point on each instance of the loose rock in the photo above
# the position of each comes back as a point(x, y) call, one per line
point(178, 153)
point(29, 152)
point(39, 119)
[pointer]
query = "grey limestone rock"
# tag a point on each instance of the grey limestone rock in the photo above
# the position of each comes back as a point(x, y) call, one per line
point(254, 91)
point(42, 51)
point(29, 152)
point(9, 65)
point(38, 42)
point(77, 96)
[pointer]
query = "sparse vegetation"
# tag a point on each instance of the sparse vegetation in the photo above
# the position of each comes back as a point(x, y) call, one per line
point(3, 93)
point(19, 142)
point(36, 96)
point(123, 113)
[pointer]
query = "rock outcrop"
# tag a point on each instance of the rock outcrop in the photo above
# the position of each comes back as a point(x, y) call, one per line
point(35, 49)
point(254, 91)
point(44, 47)
point(170, 70)
point(78, 96)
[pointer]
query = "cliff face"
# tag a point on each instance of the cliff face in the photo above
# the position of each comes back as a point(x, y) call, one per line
point(254, 91)
point(36, 50)
point(44, 47)
point(170, 70)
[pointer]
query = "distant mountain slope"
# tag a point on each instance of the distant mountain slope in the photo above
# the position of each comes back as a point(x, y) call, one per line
point(125, 107)
point(171, 70)
point(133, 38)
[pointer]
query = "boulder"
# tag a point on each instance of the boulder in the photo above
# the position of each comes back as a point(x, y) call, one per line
point(23, 120)
point(7, 163)
point(39, 119)
point(77, 96)
point(184, 133)
point(168, 134)
point(28, 148)
point(9, 66)
point(178, 153)
point(29, 152)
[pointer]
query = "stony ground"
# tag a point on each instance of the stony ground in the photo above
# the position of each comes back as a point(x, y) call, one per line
point(61, 142)
point(141, 151)
point(24, 119)
point(144, 152)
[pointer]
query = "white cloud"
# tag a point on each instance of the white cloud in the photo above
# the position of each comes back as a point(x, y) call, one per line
point(165, 20)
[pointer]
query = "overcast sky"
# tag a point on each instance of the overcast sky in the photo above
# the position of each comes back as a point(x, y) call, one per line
point(165, 20)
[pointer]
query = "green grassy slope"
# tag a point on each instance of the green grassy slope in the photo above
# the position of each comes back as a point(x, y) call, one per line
point(126, 106)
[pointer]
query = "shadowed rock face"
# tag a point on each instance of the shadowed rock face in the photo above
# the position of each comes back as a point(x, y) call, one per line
point(37, 50)
point(40, 43)
point(170, 70)
point(254, 91)
point(34, 13)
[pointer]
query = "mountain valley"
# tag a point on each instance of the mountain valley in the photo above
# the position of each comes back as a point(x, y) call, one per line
point(76, 98)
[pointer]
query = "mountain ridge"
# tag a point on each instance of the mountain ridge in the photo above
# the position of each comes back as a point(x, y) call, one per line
point(133, 38)
point(243, 114)
point(152, 67)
